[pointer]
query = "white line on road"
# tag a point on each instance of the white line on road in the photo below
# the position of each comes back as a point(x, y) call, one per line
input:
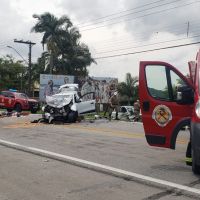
point(102, 168)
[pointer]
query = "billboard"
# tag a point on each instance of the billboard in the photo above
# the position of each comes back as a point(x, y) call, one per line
point(102, 87)
point(49, 84)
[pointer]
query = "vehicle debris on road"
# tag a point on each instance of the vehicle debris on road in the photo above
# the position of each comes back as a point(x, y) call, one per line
point(12, 114)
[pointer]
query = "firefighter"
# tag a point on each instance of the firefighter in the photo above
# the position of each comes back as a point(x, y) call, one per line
point(188, 154)
point(114, 105)
point(188, 158)
point(136, 107)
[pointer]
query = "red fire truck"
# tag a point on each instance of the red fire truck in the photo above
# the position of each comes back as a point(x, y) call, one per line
point(17, 101)
point(170, 101)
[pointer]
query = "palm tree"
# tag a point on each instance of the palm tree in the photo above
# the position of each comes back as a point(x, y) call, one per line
point(128, 88)
point(65, 53)
point(53, 29)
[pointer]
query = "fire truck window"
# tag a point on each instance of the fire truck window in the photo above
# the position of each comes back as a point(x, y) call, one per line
point(157, 82)
point(176, 82)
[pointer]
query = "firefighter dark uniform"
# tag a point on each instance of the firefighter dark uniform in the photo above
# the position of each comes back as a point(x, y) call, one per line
point(188, 155)
point(188, 158)
point(136, 106)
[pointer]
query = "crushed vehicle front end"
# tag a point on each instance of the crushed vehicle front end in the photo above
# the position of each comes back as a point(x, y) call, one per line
point(58, 107)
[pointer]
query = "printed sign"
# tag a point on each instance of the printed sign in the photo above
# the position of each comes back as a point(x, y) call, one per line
point(101, 87)
point(49, 84)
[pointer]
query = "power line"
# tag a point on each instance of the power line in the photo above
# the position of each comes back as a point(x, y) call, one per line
point(145, 51)
point(17, 53)
point(119, 12)
point(116, 47)
point(157, 12)
point(157, 6)
point(146, 45)
point(118, 40)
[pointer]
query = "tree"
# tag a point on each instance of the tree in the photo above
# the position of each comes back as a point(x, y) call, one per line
point(66, 54)
point(53, 28)
point(129, 89)
point(12, 74)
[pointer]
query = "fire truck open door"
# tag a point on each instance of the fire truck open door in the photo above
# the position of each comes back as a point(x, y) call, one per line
point(166, 99)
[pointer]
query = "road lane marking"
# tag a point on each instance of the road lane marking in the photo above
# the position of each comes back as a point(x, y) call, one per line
point(80, 127)
point(103, 168)
point(118, 133)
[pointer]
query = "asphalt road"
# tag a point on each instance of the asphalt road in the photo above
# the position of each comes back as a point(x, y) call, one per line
point(115, 144)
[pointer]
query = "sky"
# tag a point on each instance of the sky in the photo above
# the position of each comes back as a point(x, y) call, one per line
point(110, 29)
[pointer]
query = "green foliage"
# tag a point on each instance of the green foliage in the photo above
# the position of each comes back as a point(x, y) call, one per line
point(128, 89)
point(12, 74)
point(65, 54)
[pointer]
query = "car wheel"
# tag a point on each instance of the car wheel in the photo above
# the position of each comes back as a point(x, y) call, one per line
point(33, 111)
point(18, 107)
point(72, 117)
point(9, 109)
point(195, 167)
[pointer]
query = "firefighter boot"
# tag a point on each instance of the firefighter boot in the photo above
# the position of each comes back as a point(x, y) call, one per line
point(116, 117)
point(109, 117)
point(188, 159)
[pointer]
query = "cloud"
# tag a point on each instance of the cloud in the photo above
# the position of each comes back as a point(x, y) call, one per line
point(123, 37)
point(171, 17)
point(88, 10)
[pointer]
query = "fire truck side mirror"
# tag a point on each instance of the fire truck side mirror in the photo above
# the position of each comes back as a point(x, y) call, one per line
point(185, 95)
point(179, 96)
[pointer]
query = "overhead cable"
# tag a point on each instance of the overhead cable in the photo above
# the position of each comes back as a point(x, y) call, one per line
point(145, 51)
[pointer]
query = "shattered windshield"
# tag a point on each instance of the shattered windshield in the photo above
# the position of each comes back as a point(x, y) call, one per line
point(59, 101)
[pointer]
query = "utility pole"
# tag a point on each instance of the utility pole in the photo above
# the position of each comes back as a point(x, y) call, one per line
point(188, 28)
point(29, 61)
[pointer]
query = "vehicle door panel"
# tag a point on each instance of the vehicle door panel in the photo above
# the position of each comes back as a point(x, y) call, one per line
point(5, 100)
point(161, 114)
point(86, 105)
point(11, 100)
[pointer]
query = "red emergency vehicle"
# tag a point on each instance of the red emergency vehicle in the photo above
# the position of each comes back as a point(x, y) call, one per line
point(170, 101)
point(17, 101)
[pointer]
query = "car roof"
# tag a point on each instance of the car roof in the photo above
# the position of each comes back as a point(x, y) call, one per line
point(71, 85)
point(66, 93)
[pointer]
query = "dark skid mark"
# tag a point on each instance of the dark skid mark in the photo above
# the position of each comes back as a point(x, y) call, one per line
point(170, 168)
point(159, 195)
point(174, 192)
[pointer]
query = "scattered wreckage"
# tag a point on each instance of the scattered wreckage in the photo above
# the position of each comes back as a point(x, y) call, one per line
point(126, 113)
point(12, 114)
point(67, 105)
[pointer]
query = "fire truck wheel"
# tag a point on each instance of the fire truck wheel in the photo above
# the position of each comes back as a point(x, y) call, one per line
point(18, 107)
point(195, 167)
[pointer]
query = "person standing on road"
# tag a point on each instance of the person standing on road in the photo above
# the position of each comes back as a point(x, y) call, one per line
point(114, 105)
point(136, 110)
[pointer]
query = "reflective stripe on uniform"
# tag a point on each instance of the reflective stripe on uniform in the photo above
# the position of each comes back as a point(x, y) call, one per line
point(188, 159)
